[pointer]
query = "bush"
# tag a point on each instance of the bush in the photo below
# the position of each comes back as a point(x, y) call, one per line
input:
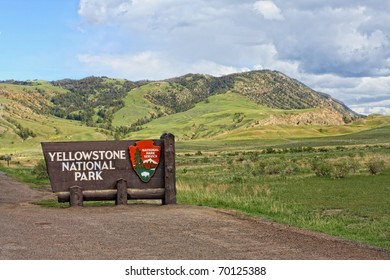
point(341, 169)
point(274, 166)
point(376, 166)
point(205, 160)
point(39, 170)
point(259, 168)
point(321, 168)
point(291, 169)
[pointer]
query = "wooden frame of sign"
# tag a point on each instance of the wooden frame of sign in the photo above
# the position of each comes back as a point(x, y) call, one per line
point(112, 170)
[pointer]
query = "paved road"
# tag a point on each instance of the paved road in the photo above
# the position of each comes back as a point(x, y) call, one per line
point(146, 231)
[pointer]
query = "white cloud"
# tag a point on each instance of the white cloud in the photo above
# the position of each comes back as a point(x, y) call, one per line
point(95, 12)
point(268, 10)
point(139, 66)
point(367, 109)
point(214, 69)
point(153, 65)
point(340, 47)
point(365, 95)
point(333, 40)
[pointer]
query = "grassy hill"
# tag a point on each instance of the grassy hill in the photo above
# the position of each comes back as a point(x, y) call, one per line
point(254, 142)
point(246, 106)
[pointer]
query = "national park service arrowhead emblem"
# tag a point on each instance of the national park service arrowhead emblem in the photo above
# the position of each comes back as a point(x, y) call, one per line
point(145, 157)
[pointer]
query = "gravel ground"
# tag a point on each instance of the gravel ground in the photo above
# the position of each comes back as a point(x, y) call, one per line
point(150, 231)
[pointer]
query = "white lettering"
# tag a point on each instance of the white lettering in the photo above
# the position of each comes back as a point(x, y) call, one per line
point(87, 156)
point(88, 166)
point(95, 155)
point(52, 155)
point(109, 155)
point(78, 155)
point(88, 176)
point(65, 166)
point(73, 167)
point(98, 176)
point(84, 177)
point(77, 176)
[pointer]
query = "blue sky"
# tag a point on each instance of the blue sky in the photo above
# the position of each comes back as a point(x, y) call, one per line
point(340, 47)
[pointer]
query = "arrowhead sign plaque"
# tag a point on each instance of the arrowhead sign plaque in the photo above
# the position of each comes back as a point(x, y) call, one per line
point(145, 157)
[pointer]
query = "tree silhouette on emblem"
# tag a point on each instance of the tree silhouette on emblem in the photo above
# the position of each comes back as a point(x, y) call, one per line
point(137, 159)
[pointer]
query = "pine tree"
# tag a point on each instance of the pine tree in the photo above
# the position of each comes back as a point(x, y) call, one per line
point(137, 158)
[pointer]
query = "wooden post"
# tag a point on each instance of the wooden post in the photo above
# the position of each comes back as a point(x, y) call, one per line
point(170, 168)
point(76, 196)
point(121, 195)
point(8, 159)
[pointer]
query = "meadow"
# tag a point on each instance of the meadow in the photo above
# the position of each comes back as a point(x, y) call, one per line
point(332, 178)
point(347, 201)
point(337, 185)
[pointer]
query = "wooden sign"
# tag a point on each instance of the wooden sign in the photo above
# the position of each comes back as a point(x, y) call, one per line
point(112, 170)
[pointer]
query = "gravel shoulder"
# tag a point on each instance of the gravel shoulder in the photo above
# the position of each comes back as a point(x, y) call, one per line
point(150, 231)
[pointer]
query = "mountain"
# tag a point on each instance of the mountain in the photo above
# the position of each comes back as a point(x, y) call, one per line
point(268, 88)
point(192, 106)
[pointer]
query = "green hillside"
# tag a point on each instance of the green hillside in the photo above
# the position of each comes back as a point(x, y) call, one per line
point(220, 114)
point(245, 106)
point(257, 142)
point(136, 107)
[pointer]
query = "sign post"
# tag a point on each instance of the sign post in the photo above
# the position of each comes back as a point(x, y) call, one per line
point(7, 158)
point(112, 170)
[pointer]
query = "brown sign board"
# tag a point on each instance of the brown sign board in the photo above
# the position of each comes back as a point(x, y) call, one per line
point(97, 168)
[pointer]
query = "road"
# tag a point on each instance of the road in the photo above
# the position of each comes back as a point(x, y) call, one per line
point(151, 231)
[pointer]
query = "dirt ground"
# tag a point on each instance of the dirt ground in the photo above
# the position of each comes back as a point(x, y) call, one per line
point(147, 231)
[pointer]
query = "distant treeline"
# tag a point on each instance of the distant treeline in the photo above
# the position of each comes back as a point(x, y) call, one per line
point(90, 97)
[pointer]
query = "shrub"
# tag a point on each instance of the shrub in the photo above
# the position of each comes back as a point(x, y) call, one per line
point(205, 160)
point(321, 168)
point(259, 168)
point(354, 166)
point(341, 169)
point(39, 170)
point(376, 166)
point(291, 168)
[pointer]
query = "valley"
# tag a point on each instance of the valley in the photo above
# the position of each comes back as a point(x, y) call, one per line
point(259, 143)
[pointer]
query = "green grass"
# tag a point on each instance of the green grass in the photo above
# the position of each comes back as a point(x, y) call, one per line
point(353, 208)
point(136, 106)
point(53, 203)
point(23, 173)
point(214, 120)
point(220, 168)
point(47, 129)
point(207, 119)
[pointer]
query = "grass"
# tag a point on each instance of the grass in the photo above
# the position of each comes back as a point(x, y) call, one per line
point(24, 173)
point(353, 208)
point(215, 120)
point(205, 119)
point(136, 106)
point(46, 128)
point(228, 173)
point(53, 203)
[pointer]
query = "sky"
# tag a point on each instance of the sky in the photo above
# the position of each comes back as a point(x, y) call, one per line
point(339, 47)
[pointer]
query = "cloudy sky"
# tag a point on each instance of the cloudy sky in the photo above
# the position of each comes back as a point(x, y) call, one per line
point(340, 47)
